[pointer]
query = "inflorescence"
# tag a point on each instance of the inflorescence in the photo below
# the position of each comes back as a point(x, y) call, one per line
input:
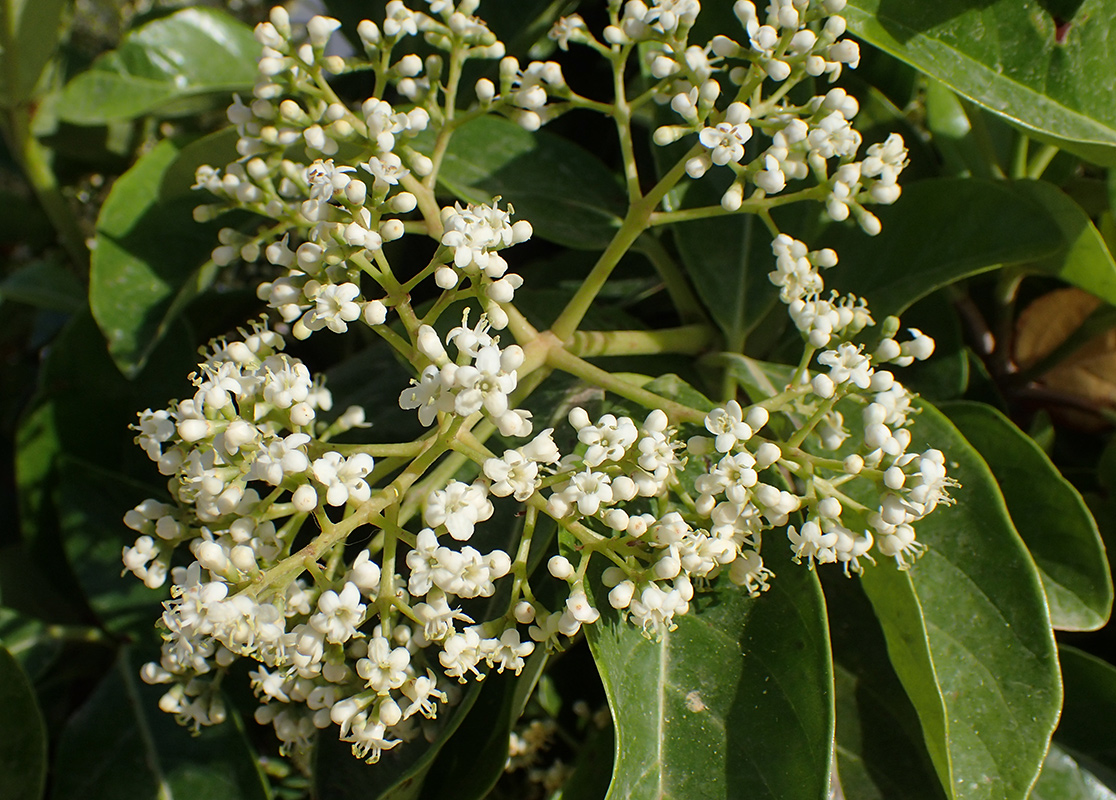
point(370, 622)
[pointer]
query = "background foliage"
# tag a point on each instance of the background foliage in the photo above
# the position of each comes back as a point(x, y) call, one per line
point(945, 681)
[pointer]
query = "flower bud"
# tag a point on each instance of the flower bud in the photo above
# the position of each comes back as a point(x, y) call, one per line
point(560, 567)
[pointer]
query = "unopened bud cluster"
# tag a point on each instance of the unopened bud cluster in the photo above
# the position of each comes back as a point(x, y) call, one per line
point(350, 574)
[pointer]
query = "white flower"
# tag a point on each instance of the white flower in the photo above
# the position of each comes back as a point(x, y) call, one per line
point(334, 308)
point(421, 692)
point(154, 427)
point(386, 171)
point(423, 562)
point(654, 609)
point(286, 382)
point(579, 607)
point(813, 545)
point(281, 458)
point(325, 179)
point(566, 29)
point(344, 477)
point(749, 572)
point(726, 140)
point(339, 614)
point(847, 364)
point(461, 653)
point(384, 669)
point(487, 382)
point(437, 617)
point(427, 395)
point(514, 474)
point(510, 652)
point(608, 440)
point(369, 737)
point(459, 507)
point(728, 425)
point(587, 490)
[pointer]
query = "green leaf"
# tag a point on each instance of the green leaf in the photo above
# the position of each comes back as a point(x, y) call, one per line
point(989, 225)
point(735, 702)
point(946, 375)
point(567, 193)
point(727, 259)
point(1084, 259)
point(29, 641)
point(592, 770)
point(189, 54)
point(119, 744)
point(474, 758)
point(23, 741)
point(137, 283)
point(1085, 730)
point(1062, 778)
point(214, 148)
point(1049, 514)
point(1007, 57)
point(879, 747)
point(44, 284)
point(29, 33)
point(969, 635)
point(92, 502)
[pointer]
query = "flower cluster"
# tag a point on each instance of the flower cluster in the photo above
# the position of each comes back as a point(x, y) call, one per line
point(360, 579)
point(793, 40)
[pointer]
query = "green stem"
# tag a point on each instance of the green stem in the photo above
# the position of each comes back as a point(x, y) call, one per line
point(1041, 161)
point(622, 115)
point(636, 221)
point(800, 435)
point(34, 160)
point(457, 59)
point(674, 279)
point(747, 207)
point(1019, 157)
point(562, 359)
point(280, 576)
point(688, 339)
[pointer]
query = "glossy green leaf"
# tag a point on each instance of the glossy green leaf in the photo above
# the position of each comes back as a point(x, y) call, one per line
point(29, 33)
point(29, 641)
point(968, 633)
point(23, 742)
point(880, 748)
point(1062, 778)
point(989, 225)
point(946, 375)
point(178, 179)
point(194, 52)
point(592, 770)
point(1084, 259)
point(736, 702)
point(1049, 515)
point(45, 284)
point(569, 195)
point(1012, 58)
point(969, 140)
point(1085, 730)
point(727, 259)
point(119, 744)
point(137, 283)
point(475, 756)
point(92, 502)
